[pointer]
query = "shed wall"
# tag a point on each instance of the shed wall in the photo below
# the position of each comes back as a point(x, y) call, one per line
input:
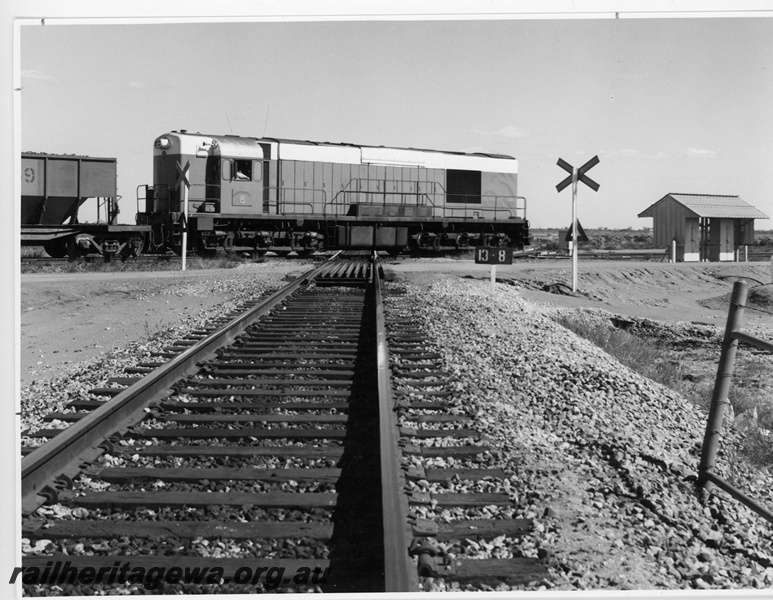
point(669, 223)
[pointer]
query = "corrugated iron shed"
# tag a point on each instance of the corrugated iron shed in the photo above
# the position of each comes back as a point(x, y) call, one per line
point(711, 206)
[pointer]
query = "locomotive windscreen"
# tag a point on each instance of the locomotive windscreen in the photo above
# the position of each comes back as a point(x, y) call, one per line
point(463, 187)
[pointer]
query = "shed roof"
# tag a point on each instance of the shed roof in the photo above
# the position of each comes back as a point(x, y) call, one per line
point(708, 205)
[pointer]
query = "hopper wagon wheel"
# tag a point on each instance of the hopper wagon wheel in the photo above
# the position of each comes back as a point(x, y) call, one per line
point(282, 253)
point(305, 252)
point(58, 248)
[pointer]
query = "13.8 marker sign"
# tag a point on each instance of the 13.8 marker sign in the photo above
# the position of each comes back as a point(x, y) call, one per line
point(493, 256)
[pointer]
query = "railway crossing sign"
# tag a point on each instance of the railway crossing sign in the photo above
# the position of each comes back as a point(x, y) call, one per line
point(581, 176)
point(183, 178)
point(576, 175)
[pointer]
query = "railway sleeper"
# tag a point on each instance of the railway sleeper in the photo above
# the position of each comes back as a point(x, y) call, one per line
point(511, 571)
point(256, 405)
point(216, 366)
point(301, 370)
point(252, 418)
point(124, 474)
point(167, 450)
point(478, 529)
point(415, 473)
point(34, 529)
point(457, 500)
point(278, 393)
point(264, 500)
point(281, 383)
point(243, 433)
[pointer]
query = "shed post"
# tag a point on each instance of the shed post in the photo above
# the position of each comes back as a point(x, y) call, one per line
point(673, 250)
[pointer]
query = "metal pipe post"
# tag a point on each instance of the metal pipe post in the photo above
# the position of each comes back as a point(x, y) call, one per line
point(185, 228)
point(575, 245)
point(722, 382)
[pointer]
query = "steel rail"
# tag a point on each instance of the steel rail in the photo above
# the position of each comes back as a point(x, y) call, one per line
point(400, 574)
point(65, 452)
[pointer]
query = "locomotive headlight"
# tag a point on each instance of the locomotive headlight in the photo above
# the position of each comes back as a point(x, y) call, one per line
point(162, 143)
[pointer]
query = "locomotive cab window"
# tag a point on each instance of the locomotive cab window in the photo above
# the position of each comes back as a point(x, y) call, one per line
point(463, 187)
point(241, 170)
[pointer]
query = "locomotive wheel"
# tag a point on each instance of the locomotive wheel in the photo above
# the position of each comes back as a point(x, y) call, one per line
point(134, 247)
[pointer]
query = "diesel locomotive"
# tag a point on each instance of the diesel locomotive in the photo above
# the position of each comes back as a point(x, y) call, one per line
point(256, 195)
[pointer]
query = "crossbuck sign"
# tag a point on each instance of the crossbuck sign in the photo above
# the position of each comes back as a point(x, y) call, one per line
point(182, 180)
point(576, 175)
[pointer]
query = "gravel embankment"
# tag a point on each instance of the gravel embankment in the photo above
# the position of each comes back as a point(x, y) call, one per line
point(603, 458)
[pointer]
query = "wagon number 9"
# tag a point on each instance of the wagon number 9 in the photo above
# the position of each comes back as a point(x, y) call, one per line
point(494, 256)
point(29, 174)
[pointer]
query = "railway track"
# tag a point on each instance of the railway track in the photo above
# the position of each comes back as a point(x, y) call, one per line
point(272, 450)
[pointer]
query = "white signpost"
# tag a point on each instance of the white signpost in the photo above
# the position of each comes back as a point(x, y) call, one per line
point(488, 255)
point(183, 178)
point(576, 175)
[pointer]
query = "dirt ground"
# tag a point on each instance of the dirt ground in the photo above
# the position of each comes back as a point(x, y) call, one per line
point(67, 318)
point(654, 290)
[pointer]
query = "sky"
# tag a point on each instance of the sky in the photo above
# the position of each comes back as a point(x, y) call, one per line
point(668, 104)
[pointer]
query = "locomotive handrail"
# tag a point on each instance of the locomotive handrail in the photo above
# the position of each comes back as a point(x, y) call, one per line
point(165, 187)
point(282, 203)
point(366, 190)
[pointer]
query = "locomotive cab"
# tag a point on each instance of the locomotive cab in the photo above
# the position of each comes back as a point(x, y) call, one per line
point(238, 165)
